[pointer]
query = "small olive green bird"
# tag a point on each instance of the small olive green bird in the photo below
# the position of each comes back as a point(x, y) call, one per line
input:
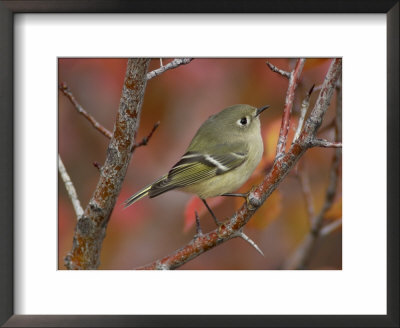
point(220, 158)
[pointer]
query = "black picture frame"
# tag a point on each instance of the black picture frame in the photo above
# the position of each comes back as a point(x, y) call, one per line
point(8, 200)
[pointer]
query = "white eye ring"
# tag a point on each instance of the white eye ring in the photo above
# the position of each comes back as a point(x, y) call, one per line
point(243, 121)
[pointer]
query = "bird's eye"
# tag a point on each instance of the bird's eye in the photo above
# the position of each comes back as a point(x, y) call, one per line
point(243, 121)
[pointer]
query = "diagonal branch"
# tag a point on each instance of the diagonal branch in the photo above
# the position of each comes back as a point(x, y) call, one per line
point(91, 228)
point(67, 92)
point(293, 81)
point(174, 64)
point(278, 70)
point(258, 195)
point(145, 140)
point(70, 188)
point(329, 228)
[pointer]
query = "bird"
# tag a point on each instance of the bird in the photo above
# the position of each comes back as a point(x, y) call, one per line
point(221, 157)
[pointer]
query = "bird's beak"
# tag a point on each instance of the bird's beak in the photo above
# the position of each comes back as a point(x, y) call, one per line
point(261, 109)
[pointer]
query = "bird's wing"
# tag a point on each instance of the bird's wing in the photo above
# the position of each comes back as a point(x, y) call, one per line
point(196, 167)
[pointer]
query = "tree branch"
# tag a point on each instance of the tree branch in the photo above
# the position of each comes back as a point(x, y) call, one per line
point(303, 111)
point(246, 238)
point(277, 70)
point(301, 256)
point(293, 81)
point(145, 140)
point(319, 87)
point(174, 64)
point(70, 189)
point(67, 92)
point(329, 228)
point(326, 144)
point(258, 195)
point(90, 229)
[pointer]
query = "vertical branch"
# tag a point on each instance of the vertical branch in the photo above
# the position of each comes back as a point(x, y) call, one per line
point(90, 229)
point(302, 255)
point(293, 82)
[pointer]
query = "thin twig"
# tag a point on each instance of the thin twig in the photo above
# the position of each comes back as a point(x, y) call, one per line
point(70, 189)
point(246, 238)
point(258, 195)
point(199, 232)
point(293, 82)
point(278, 70)
point(145, 140)
point(319, 87)
point(67, 92)
point(175, 63)
point(303, 111)
point(329, 228)
point(326, 144)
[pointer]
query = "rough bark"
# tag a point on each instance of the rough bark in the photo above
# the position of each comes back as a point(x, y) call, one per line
point(91, 227)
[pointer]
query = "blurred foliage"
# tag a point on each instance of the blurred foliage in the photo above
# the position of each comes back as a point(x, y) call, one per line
point(182, 99)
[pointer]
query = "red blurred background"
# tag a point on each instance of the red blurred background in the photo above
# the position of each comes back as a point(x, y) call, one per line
point(181, 99)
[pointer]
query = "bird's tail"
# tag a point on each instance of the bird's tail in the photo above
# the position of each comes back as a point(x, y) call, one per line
point(144, 192)
point(139, 195)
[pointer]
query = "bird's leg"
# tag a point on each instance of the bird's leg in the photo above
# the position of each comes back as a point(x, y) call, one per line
point(211, 212)
point(236, 195)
